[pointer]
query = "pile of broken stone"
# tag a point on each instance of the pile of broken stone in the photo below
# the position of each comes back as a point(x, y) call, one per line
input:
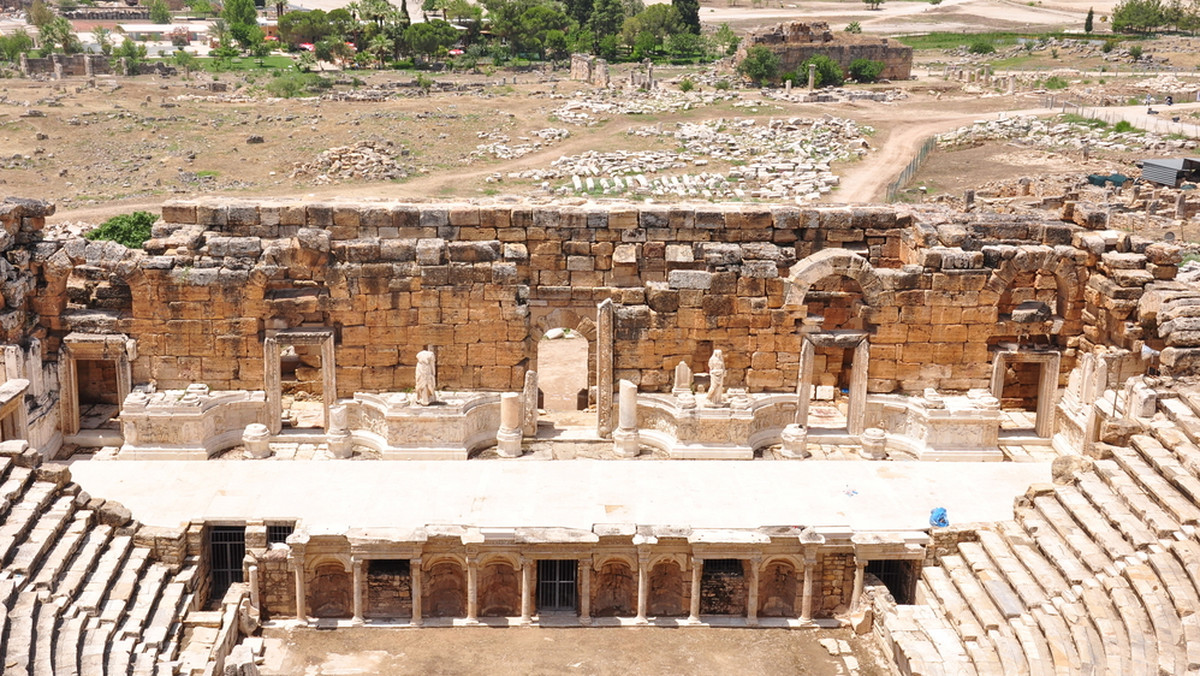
point(1055, 133)
point(364, 160)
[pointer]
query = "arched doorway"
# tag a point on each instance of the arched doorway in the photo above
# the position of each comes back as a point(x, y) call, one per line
point(562, 360)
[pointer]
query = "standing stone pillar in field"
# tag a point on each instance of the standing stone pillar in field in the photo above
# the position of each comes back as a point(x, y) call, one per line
point(625, 439)
point(812, 76)
point(604, 368)
point(508, 437)
point(529, 405)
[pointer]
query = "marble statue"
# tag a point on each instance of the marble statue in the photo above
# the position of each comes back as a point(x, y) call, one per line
point(716, 379)
point(426, 390)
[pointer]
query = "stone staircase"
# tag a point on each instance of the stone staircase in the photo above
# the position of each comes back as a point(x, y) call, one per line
point(1097, 574)
point(78, 595)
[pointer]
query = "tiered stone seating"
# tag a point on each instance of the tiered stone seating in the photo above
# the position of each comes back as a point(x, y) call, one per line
point(77, 597)
point(1097, 575)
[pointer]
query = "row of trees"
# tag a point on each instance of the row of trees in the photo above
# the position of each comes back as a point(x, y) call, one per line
point(762, 67)
point(1144, 16)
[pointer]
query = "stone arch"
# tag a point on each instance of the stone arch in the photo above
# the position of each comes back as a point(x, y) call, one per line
point(444, 588)
point(831, 263)
point(331, 589)
point(510, 560)
point(599, 563)
point(614, 588)
point(777, 583)
point(563, 381)
point(667, 597)
point(328, 560)
point(1046, 261)
point(499, 588)
point(563, 318)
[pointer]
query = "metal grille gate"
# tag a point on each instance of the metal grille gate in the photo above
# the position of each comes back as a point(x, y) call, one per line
point(556, 584)
point(227, 548)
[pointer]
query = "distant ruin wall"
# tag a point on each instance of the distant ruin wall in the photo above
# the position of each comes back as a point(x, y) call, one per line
point(60, 65)
point(590, 69)
point(482, 284)
point(797, 42)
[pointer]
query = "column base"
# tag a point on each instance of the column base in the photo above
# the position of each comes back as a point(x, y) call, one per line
point(693, 621)
point(795, 442)
point(585, 620)
point(471, 622)
point(626, 443)
point(340, 445)
point(357, 622)
point(508, 443)
point(640, 621)
point(525, 622)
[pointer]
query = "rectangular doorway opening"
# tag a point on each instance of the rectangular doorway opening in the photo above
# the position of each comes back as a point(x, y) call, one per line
point(98, 397)
point(556, 586)
point(389, 588)
point(227, 548)
point(898, 575)
point(723, 587)
point(301, 387)
point(830, 405)
point(1026, 383)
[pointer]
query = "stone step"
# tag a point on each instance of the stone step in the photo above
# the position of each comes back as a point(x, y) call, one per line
point(18, 649)
point(943, 592)
point(95, 648)
point(1143, 506)
point(80, 567)
point(120, 656)
point(149, 588)
point(45, 627)
point(1093, 521)
point(117, 600)
point(1034, 646)
point(1160, 610)
point(1069, 651)
point(1167, 465)
point(992, 580)
point(1078, 540)
point(146, 664)
point(1116, 510)
point(1186, 600)
point(66, 652)
point(1041, 571)
point(166, 614)
point(1109, 626)
point(23, 515)
point(105, 572)
point(1012, 655)
point(1173, 439)
point(60, 555)
point(1143, 649)
point(13, 488)
point(53, 522)
point(1053, 546)
point(1178, 505)
point(973, 594)
point(1179, 412)
point(1010, 567)
point(916, 652)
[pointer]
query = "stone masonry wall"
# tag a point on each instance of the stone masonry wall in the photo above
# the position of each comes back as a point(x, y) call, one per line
point(481, 284)
point(797, 42)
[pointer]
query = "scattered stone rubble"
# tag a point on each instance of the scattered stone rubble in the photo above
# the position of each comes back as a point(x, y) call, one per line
point(364, 160)
point(590, 111)
point(502, 148)
point(786, 158)
point(1055, 133)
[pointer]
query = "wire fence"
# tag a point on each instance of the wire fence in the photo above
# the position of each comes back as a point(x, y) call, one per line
point(909, 171)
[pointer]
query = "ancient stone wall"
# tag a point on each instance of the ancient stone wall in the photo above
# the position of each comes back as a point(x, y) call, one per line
point(797, 42)
point(62, 65)
point(481, 284)
point(277, 583)
point(834, 582)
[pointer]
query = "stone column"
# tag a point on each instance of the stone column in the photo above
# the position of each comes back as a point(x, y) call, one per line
point(643, 590)
point(604, 368)
point(328, 374)
point(1047, 388)
point(812, 76)
point(508, 437)
point(357, 566)
point(301, 610)
point(255, 589)
point(585, 591)
point(472, 590)
point(804, 382)
point(625, 439)
point(856, 411)
point(860, 572)
point(414, 572)
point(694, 605)
point(752, 592)
point(529, 418)
point(256, 439)
point(526, 592)
point(272, 383)
point(806, 605)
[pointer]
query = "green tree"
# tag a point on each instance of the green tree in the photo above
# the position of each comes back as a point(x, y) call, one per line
point(240, 12)
point(726, 39)
point(1138, 16)
point(59, 35)
point(607, 17)
point(133, 54)
point(304, 27)
point(13, 46)
point(185, 61)
point(1087, 23)
point(689, 12)
point(131, 230)
point(246, 35)
point(579, 10)
point(659, 21)
point(103, 37)
point(159, 12)
point(865, 70)
point(428, 38)
point(761, 65)
point(829, 74)
point(39, 14)
point(684, 45)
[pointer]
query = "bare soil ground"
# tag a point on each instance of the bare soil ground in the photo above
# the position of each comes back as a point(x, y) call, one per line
point(591, 651)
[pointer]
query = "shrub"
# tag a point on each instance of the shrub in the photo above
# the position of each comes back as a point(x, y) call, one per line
point(1136, 52)
point(129, 230)
point(722, 85)
point(1056, 82)
point(761, 65)
point(854, 27)
point(1124, 126)
point(982, 46)
point(866, 70)
point(686, 85)
point(290, 85)
point(829, 74)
